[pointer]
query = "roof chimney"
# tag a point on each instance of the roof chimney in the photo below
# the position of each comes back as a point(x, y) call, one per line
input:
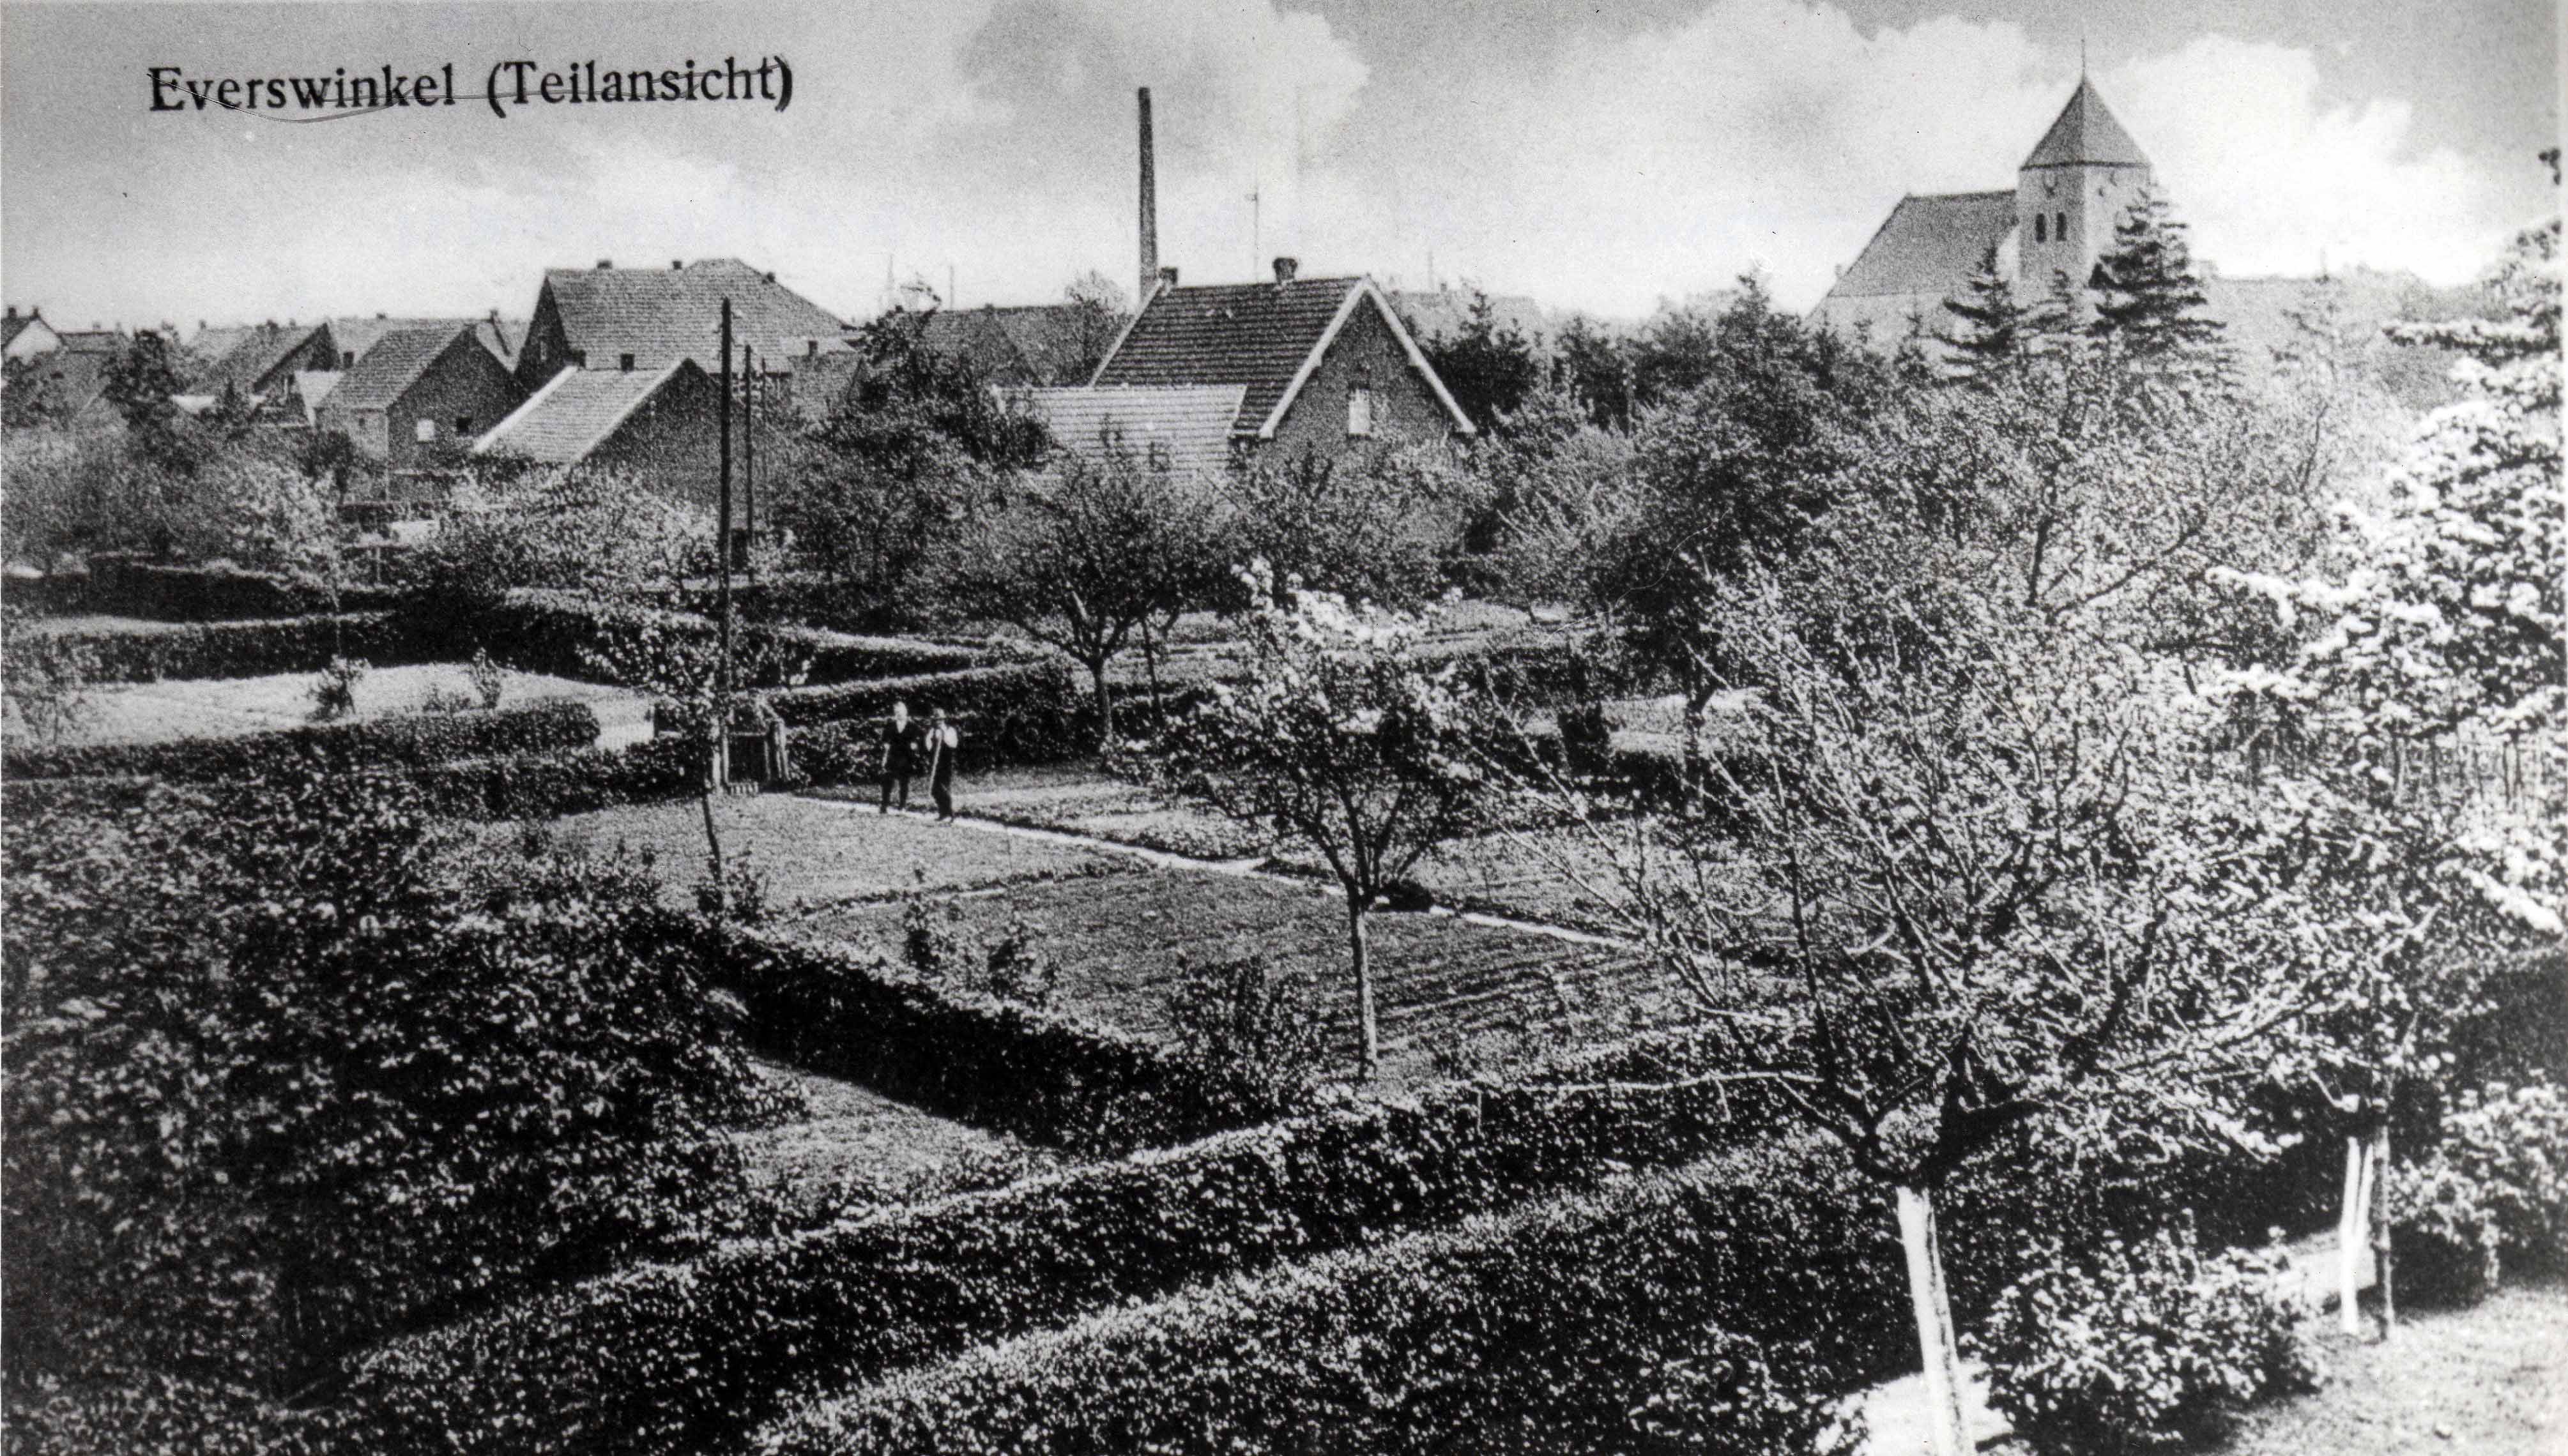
point(13, 311)
point(675, 266)
point(1285, 268)
point(1168, 276)
point(606, 263)
point(1151, 270)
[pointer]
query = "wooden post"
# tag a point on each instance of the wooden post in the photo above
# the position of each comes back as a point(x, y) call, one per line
point(1948, 1430)
point(749, 458)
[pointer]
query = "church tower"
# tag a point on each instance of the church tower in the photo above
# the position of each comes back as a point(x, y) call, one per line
point(2070, 192)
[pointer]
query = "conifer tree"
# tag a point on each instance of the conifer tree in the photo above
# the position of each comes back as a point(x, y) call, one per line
point(1991, 329)
point(2146, 297)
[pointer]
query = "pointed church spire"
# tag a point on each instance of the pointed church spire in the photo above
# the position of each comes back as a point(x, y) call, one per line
point(2086, 135)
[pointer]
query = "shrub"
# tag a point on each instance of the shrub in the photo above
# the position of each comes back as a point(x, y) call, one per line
point(2492, 1195)
point(44, 676)
point(249, 648)
point(322, 749)
point(1586, 739)
point(740, 892)
point(1255, 1031)
point(334, 697)
point(216, 592)
point(1018, 969)
point(2147, 1345)
point(1571, 1326)
point(678, 1357)
point(2445, 1235)
point(531, 785)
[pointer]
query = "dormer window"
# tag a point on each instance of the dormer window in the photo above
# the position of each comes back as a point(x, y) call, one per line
point(1359, 412)
point(2041, 233)
point(624, 361)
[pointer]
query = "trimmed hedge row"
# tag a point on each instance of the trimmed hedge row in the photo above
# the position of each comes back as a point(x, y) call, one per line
point(253, 648)
point(544, 786)
point(339, 748)
point(678, 1357)
point(214, 592)
point(563, 633)
point(1549, 1328)
point(1011, 713)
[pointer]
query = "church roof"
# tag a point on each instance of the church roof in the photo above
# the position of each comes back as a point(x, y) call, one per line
point(1929, 244)
point(2086, 135)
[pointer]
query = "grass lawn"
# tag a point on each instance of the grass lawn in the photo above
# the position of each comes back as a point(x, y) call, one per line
point(222, 708)
point(817, 851)
point(2491, 1381)
point(858, 1148)
point(1119, 939)
point(1082, 800)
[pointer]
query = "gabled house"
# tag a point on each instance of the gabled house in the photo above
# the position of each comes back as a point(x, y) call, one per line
point(1324, 365)
point(261, 362)
point(356, 334)
point(26, 335)
point(643, 320)
point(658, 422)
point(418, 397)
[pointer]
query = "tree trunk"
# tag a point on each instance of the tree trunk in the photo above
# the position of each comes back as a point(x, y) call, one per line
point(1947, 1431)
point(2349, 1236)
point(713, 836)
point(1105, 705)
point(2380, 1250)
point(1151, 667)
point(1368, 1033)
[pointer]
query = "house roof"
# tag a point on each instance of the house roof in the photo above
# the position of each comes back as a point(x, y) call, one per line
point(1929, 244)
point(16, 324)
point(663, 315)
point(974, 337)
point(394, 362)
point(255, 357)
point(357, 335)
point(575, 411)
point(212, 341)
point(2086, 135)
point(1187, 428)
point(93, 340)
point(312, 385)
point(1265, 337)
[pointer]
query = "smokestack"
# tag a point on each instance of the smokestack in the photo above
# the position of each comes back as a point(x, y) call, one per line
point(1149, 209)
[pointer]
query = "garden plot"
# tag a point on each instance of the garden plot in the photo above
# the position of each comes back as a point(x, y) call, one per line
point(1121, 939)
point(1083, 801)
point(814, 851)
point(857, 1147)
point(222, 708)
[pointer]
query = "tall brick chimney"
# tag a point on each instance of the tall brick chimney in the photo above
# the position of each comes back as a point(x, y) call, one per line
point(1149, 209)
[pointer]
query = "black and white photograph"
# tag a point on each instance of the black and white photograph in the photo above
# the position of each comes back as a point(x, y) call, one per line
point(1282, 727)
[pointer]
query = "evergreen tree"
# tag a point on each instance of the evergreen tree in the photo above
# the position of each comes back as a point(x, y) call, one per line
point(1991, 332)
point(1596, 367)
point(1488, 366)
point(2146, 297)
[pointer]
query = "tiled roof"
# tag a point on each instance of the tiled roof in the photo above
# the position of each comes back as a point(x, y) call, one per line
point(575, 411)
point(1186, 427)
point(93, 340)
point(355, 336)
point(312, 385)
point(1262, 336)
point(212, 343)
point(16, 324)
point(393, 363)
point(1929, 244)
point(974, 337)
point(255, 357)
point(2086, 135)
point(663, 315)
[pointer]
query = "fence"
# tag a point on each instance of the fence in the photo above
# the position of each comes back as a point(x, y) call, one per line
point(2510, 773)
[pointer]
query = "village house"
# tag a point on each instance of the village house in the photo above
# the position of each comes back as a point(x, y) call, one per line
point(1324, 368)
point(661, 423)
point(26, 335)
point(1179, 429)
point(642, 320)
point(262, 359)
point(354, 334)
point(416, 398)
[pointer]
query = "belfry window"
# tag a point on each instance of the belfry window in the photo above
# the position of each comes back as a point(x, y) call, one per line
point(2040, 235)
point(2060, 226)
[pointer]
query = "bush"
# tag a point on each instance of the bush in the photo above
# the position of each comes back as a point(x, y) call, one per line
point(1015, 713)
point(543, 787)
point(2147, 1345)
point(334, 697)
point(2443, 1234)
point(681, 1357)
point(490, 683)
point(1254, 1032)
point(322, 749)
point(2491, 1196)
point(213, 592)
point(249, 648)
point(1573, 1325)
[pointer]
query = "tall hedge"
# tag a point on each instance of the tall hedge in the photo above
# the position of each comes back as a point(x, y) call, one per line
point(339, 748)
point(678, 1357)
point(1011, 713)
point(1760, 1278)
point(254, 649)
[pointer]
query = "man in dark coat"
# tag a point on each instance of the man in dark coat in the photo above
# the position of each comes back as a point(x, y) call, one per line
point(901, 743)
point(942, 741)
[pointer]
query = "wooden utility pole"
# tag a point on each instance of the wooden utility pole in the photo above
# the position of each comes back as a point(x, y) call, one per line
point(749, 458)
point(722, 555)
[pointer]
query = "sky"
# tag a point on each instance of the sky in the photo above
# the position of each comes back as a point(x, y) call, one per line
point(1604, 157)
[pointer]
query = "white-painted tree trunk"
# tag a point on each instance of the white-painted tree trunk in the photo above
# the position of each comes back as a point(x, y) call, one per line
point(1948, 1429)
point(2353, 1236)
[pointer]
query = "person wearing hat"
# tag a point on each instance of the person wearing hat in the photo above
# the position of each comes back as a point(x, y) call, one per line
point(900, 745)
point(942, 741)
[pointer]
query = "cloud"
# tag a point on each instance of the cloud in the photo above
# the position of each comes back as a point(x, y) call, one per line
point(1777, 134)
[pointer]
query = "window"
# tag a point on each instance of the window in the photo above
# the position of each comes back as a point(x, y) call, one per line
point(425, 431)
point(462, 425)
point(348, 359)
point(624, 361)
point(2039, 232)
point(2060, 226)
point(1360, 411)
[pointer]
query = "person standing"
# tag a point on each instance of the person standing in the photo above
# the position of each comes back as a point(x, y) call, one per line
point(942, 741)
point(900, 745)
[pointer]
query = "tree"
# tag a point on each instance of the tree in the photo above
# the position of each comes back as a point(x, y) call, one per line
point(141, 384)
point(1106, 546)
point(292, 1070)
point(2146, 294)
point(1488, 367)
point(1095, 313)
point(1993, 332)
point(1376, 529)
point(1954, 880)
point(1596, 367)
point(1336, 737)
